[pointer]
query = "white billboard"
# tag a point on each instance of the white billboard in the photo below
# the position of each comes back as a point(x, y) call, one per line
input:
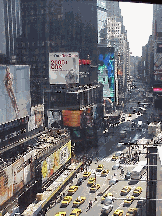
point(14, 92)
point(63, 68)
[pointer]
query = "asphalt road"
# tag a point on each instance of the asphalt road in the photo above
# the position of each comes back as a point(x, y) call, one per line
point(105, 152)
point(106, 149)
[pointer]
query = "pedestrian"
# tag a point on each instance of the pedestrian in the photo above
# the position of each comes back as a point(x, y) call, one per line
point(89, 205)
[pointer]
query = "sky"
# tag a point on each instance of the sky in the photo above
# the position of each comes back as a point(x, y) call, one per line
point(137, 19)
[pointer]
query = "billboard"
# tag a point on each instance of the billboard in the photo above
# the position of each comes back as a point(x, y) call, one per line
point(71, 118)
point(36, 118)
point(18, 175)
point(14, 92)
point(53, 118)
point(63, 68)
point(6, 184)
point(55, 161)
point(106, 71)
point(28, 167)
point(157, 89)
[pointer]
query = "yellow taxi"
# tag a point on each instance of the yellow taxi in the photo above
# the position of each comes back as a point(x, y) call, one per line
point(132, 212)
point(125, 190)
point(76, 212)
point(66, 200)
point(137, 191)
point(106, 195)
point(118, 212)
point(128, 201)
point(79, 201)
point(72, 190)
point(129, 115)
point(86, 174)
point(99, 168)
point(94, 187)
point(114, 157)
point(60, 214)
point(91, 181)
point(104, 173)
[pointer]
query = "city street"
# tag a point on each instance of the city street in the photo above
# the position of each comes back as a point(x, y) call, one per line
point(107, 147)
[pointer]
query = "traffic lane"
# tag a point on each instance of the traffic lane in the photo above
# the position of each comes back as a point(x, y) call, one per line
point(118, 204)
point(83, 190)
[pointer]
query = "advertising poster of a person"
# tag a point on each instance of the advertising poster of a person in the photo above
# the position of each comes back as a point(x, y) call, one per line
point(8, 81)
point(38, 118)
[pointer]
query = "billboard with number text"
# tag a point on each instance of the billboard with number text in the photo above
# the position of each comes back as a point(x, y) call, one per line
point(64, 68)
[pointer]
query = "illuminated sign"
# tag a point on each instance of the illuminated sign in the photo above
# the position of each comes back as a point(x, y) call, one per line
point(106, 71)
point(71, 118)
point(157, 89)
point(84, 62)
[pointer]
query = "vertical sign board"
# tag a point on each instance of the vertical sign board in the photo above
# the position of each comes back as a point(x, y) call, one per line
point(63, 68)
point(28, 167)
point(18, 175)
point(6, 184)
point(106, 71)
point(158, 61)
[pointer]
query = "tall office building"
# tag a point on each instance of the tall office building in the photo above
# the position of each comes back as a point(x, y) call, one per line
point(55, 26)
point(2, 29)
point(13, 27)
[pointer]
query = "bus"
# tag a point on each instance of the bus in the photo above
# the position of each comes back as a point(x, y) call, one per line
point(139, 170)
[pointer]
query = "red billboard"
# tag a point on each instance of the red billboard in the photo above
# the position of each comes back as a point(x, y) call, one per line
point(157, 89)
point(71, 118)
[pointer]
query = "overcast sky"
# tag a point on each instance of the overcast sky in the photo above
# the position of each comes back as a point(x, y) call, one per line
point(137, 18)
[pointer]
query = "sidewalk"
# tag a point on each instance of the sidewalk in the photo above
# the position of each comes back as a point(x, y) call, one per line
point(43, 198)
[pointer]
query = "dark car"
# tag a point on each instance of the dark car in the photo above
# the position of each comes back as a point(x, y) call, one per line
point(128, 175)
point(79, 182)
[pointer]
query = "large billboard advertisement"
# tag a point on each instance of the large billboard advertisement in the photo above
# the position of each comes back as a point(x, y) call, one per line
point(71, 118)
point(63, 68)
point(106, 71)
point(15, 176)
point(14, 92)
point(55, 161)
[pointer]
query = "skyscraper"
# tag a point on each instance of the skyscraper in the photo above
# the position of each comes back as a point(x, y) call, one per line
point(55, 26)
point(2, 29)
point(13, 28)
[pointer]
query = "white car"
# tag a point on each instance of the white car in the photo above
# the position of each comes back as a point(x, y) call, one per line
point(119, 153)
point(113, 181)
point(106, 209)
point(119, 145)
point(116, 166)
